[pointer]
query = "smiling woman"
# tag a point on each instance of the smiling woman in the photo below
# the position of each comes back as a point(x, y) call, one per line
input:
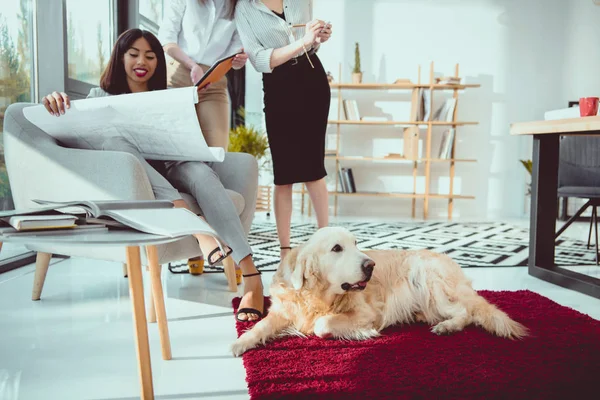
point(140, 55)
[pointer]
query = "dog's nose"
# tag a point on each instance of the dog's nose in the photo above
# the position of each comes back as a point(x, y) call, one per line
point(367, 266)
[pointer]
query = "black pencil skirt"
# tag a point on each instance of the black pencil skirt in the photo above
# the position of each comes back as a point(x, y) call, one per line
point(296, 99)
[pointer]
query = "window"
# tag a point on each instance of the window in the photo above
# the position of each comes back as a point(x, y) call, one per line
point(17, 84)
point(151, 14)
point(90, 37)
point(16, 71)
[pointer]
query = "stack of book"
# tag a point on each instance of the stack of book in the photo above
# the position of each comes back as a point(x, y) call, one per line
point(75, 217)
point(448, 80)
point(347, 180)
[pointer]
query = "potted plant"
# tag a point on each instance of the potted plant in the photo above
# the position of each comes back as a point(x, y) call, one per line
point(356, 71)
point(247, 139)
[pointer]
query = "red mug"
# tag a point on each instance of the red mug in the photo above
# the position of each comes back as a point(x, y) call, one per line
point(588, 106)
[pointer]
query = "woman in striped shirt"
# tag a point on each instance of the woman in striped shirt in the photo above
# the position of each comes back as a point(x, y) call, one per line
point(296, 98)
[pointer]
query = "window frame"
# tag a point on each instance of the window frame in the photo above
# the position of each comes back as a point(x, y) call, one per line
point(75, 87)
point(27, 257)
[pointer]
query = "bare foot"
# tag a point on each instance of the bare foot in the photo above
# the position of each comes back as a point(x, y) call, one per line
point(253, 298)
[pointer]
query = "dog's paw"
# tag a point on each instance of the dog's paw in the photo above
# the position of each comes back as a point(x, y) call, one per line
point(241, 346)
point(444, 328)
point(322, 328)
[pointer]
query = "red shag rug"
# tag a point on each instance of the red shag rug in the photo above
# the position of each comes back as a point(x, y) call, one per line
point(559, 360)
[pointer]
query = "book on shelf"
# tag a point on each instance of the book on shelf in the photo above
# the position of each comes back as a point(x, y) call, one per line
point(350, 179)
point(351, 110)
point(341, 179)
point(346, 180)
point(445, 112)
point(446, 144)
point(448, 80)
point(158, 217)
point(416, 112)
point(425, 108)
point(336, 112)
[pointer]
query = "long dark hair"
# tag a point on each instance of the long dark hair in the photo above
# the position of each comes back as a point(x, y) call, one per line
point(230, 7)
point(114, 78)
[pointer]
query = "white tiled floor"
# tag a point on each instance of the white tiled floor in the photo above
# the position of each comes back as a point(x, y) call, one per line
point(77, 342)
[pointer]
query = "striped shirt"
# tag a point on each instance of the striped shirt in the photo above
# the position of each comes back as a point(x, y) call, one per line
point(262, 31)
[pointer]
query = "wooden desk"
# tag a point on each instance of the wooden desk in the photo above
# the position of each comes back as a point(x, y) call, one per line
point(544, 182)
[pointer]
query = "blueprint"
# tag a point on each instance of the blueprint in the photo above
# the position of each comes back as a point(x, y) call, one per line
point(161, 124)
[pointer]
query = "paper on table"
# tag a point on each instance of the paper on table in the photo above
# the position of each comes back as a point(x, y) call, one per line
point(161, 124)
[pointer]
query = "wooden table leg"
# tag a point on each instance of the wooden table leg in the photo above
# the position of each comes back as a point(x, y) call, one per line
point(136, 292)
point(151, 308)
point(159, 301)
point(42, 262)
point(229, 268)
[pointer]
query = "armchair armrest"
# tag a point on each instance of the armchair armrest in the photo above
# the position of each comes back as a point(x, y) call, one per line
point(51, 172)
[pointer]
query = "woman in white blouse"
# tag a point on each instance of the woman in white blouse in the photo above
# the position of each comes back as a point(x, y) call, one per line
point(296, 98)
point(195, 34)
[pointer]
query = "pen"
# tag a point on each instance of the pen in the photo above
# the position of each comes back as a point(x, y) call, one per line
point(303, 25)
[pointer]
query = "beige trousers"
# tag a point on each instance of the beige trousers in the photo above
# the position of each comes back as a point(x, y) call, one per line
point(213, 104)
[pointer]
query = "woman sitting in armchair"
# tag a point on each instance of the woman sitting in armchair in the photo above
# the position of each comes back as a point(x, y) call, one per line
point(137, 64)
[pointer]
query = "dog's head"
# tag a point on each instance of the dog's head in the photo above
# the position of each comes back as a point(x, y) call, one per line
point(330, 260)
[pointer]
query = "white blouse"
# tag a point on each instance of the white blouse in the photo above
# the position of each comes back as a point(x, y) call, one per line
point(262, 31)
point(201, 29)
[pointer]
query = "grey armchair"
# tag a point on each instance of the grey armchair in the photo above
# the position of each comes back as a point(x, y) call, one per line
point(39, 168)
point(579, 177)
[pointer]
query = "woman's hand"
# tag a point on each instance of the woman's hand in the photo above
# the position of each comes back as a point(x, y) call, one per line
point(56, 103)
point(312, 32)
point(240, 60)
point(203, 89)
point(324, 34)
point(196, 73)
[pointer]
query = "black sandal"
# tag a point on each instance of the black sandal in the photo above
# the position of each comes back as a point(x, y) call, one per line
point(247, 310)
point(224, 256)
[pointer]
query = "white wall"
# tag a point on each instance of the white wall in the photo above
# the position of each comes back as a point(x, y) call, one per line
point(522, 52)
point(581, 76)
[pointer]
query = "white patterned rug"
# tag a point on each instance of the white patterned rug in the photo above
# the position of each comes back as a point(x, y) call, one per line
point(489, 244)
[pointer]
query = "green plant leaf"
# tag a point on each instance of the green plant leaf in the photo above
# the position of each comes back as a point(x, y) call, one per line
point(528, 164)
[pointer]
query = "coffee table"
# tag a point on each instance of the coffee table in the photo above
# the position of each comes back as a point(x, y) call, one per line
point(132, 240)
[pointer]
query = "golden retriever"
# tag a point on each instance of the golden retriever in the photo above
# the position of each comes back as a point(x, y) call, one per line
point(329, 288)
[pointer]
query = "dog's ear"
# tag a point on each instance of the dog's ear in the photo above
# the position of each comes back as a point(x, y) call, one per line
point(302, 264)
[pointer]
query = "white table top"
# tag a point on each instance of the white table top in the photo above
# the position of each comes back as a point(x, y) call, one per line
point(118, 237)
